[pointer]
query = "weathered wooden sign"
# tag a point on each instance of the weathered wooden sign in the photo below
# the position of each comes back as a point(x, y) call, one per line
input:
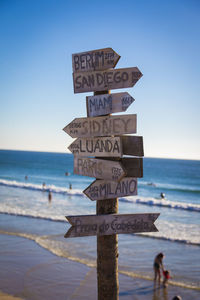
point(111, 224)
point(102, 126)
point(99, 168)
point(132, 145)
point(105, 80)
point(104, 189)
point(105, 104)
point(100, 59)
point(104, 146)
point(133, 166)
point(108, 146)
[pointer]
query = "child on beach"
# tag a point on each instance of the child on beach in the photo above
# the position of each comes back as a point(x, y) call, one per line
point(158, 264)
point(166, 276)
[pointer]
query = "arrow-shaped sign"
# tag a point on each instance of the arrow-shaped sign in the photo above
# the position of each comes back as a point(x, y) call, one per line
point(104, 189)
point(133, 166)
point(99, 168)
point(105, 80)
point(102, 126)
point(108, 146)
point(104, 146)
point(111, 224)
point(105, 104)
point(94, 60)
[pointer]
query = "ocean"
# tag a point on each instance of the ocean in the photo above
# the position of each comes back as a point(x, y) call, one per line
point(27, 177)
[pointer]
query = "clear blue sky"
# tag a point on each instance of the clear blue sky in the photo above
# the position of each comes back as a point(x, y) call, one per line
point(161, 38)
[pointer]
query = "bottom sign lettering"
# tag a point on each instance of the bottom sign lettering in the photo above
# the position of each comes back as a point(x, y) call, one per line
point(111, 224)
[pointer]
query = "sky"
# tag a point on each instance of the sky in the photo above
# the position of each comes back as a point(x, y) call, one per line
point(161, 38)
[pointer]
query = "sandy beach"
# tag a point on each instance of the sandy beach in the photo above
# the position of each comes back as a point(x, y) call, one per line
point(30, 272)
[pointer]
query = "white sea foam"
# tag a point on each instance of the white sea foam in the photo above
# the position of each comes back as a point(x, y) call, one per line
point(76, 192)
point(170, 186)
point(162, 202)
point(38, 187)
point(174, 232)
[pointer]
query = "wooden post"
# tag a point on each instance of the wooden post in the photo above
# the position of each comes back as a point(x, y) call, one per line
point(107, 252)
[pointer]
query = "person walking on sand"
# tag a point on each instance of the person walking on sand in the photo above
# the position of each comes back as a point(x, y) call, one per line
point(158, 264)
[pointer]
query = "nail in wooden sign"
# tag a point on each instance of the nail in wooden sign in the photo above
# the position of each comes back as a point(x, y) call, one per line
point(104, 189)
point(105, 80)
point(111, 224)
point(108, 146)
point(99, 59)
point(102, 126)
point(105, 104)
point(99, 168)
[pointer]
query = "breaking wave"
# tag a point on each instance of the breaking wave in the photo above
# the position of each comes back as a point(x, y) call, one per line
point(150, 201)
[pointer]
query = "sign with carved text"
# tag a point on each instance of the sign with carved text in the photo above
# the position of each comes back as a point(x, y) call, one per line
point(111, 224)
point(99, 168)
point(105, 80)
point(105, 104)
point(99, 59)
point(108, 146)
point(102, 126)
point(133, 166)
point(104, 189)
point(104, 146)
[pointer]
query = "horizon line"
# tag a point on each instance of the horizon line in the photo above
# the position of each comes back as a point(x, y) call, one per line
point(68, 152)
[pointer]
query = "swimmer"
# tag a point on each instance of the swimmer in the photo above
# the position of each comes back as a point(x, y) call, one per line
point(162, 195)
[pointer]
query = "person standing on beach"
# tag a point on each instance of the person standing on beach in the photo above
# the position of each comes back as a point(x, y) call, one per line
point(50, 196)
point(158, 264)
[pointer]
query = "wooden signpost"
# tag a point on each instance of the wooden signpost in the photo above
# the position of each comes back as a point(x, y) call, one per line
point(105, 104)
point(101, 126)
point(108, 169)
point(99, 168)
point(99, 152)
point(105, 189)
point(100, 59)
point(104, 146)
point(105, 80)
point(111, 224)
point(108, 146)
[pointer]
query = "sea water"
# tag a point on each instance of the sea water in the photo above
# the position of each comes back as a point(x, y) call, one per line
point(26, 178)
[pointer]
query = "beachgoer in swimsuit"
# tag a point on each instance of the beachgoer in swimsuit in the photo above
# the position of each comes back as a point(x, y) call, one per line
point(166, 276)
point(158, 264)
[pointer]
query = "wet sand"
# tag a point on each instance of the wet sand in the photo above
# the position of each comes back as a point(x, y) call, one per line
point(4, 296)
point(28, 271)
